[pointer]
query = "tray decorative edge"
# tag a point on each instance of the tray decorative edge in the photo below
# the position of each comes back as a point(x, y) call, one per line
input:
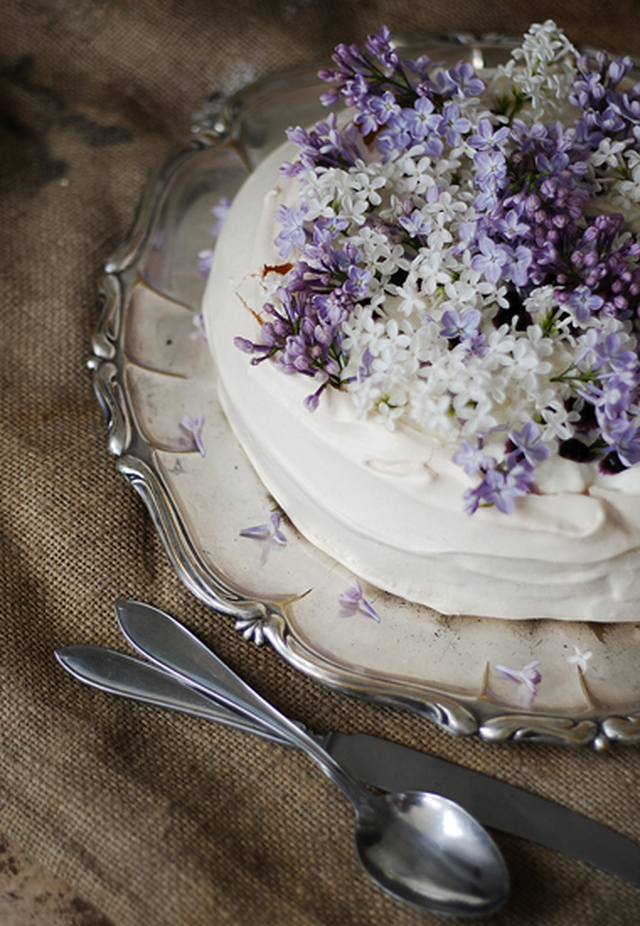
point(265, 621)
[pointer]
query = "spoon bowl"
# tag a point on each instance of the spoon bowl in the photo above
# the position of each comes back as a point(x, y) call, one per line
point(419, 847)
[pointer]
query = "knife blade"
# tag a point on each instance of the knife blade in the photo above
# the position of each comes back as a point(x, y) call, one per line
point(496, 804)
point(382, 763)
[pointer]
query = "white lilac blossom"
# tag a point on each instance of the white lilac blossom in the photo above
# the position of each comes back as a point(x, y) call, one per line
point(537, 74)
point(193, 428)
point(579, 658)
point(462, 258)
point(352, 601)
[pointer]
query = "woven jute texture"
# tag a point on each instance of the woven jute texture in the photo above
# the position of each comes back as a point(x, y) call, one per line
point(157, 819)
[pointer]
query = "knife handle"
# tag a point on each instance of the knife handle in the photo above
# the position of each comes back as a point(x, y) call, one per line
point(132, 678)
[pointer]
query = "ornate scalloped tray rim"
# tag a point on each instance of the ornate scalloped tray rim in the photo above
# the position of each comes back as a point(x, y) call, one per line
point(222, 133)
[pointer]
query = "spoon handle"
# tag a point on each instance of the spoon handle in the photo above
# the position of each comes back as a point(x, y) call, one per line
point(169, 644)
point(137, 680)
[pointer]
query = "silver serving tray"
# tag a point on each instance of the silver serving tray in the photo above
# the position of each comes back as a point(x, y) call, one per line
point(150, 371)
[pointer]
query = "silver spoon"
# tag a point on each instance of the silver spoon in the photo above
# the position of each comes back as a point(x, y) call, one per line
point(422, 848)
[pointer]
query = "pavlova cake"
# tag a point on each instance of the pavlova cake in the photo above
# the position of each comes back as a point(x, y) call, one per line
point(424, 316)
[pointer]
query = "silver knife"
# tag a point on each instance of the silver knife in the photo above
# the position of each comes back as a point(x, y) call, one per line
point(379, 762)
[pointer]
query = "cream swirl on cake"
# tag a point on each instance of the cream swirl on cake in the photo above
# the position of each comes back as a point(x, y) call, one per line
point(387, 501)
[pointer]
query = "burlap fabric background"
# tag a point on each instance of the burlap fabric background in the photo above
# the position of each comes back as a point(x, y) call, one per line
point(155, 818)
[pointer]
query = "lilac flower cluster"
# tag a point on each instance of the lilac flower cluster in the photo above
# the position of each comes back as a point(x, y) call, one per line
point(457, 263)
point(530, 203)
point(303, 326)
point(609, 109)
point(323, 146)
point(502, 481)
point(399, 102)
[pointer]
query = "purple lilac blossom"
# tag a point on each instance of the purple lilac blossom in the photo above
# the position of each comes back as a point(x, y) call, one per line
point(582, 303)
point(472, 458)
point(529, 676)
point(491, 170)
point(511, 226)
point(527, 680)
point(517, 263)
point(326, 230)
point(220, 211)
point(465, 80)
point(417, 225)
point(193, 428)
point(624, 440)
point(501, 485)
point(377, 111)
point(528, 445)
point(205, 262)
point(352, 601)
point(199, 332)
point(463, 327)
point(357, 282)
point(293, 234)
point(421, 120)
point(452, 125)
point(490, 260)
point(381, 47)
point(269, 531)
point(487, 137)
point(397, 137)
point(608, 352)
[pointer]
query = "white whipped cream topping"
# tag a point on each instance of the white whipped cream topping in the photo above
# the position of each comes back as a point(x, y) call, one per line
point(388, 505)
